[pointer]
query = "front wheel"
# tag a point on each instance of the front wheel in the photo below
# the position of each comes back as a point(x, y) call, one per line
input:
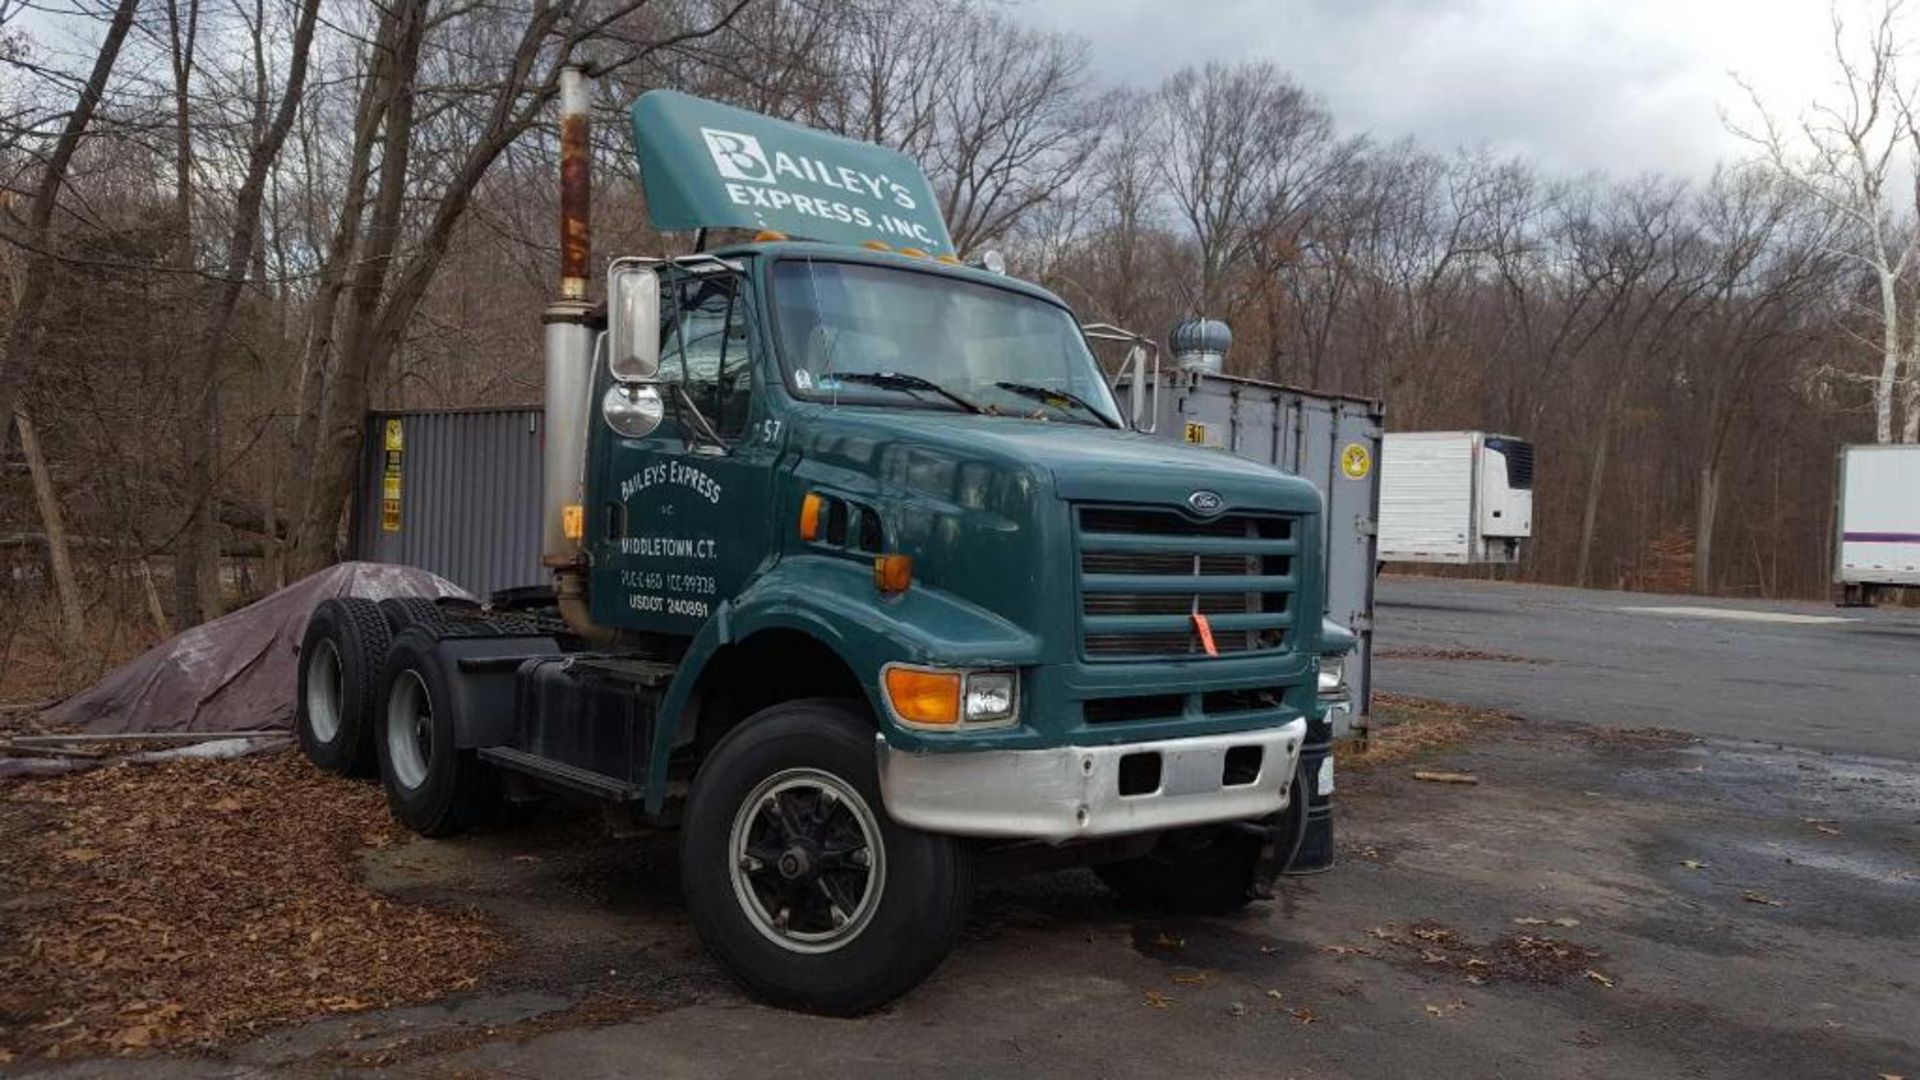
point(799, 883)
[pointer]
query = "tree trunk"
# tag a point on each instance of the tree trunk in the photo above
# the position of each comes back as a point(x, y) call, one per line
point(1708, 504)
point(1890, 350)
point(1590, 515)
point(59, 558)
point(22, 339)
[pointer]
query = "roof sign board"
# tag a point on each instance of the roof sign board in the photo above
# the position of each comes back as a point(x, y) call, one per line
point(708, 165)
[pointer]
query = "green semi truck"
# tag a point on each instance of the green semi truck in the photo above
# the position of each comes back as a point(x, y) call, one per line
point(860, 576)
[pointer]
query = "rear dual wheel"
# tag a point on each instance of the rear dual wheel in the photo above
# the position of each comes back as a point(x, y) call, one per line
point(800, 885)
point(341, 655)
point(433, 787)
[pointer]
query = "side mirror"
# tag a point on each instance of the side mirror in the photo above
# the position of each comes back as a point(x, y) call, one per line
point(633, 322)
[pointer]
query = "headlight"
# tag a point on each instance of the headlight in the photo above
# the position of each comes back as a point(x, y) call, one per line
point(1333, 675)
point(989, 697)
point(944, 699)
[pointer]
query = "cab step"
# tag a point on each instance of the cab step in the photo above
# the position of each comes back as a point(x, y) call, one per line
point(600, 785)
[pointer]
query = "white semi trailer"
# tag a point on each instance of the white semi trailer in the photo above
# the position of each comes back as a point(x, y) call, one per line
point(1454, 497)
point(1878, 546)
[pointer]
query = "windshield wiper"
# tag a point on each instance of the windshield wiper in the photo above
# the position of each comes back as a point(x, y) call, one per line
point(898, 380)
point(1049, 396)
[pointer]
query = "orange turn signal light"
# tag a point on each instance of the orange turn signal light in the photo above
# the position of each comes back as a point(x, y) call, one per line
point(913, 253)
point(765, 236)
point(924, 697)
point(892, 573)
point(875, 245)
point(810, 509)
point(573, 521)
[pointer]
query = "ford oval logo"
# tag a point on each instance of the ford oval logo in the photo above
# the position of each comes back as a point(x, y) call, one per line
point(1205, 502)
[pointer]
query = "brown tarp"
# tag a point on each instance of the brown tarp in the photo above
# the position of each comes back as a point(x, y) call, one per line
point(238, 672)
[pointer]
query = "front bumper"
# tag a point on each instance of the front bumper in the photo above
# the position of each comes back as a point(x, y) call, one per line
point(1073, 792)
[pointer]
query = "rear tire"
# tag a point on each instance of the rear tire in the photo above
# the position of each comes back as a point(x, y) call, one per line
point(404, 611)
point(340, 659)
point(433, 787)
point(800, 885)
point(1205, 871)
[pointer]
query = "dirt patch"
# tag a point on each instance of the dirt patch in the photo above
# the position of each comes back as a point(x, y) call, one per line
point(598, 1010)
point(1640, 738)
point(1406, 728)
point(178, 905)
point(1455, 654)
point(1528, 958)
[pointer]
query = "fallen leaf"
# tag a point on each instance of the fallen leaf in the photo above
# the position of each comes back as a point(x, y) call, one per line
point(1269, 950)
point(1827, 829)
point(226, 804)
point(1752, 896)
point(1346, 950)
point(1274, 994)
point(1599, 978)
point(1155, 999)
point(1435, 1010)
point(1434, 777)
point(1694, 864)
point(1304, 1015)
point(1191, 980)
point(1162, 940)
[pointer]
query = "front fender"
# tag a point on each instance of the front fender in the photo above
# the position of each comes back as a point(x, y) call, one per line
point(833, 600)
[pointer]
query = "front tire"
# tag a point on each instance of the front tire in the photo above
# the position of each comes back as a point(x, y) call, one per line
point(433, 787)
point(341, 654)
point(799, 884)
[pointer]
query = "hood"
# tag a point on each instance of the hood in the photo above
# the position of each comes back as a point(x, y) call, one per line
point(1092, 463)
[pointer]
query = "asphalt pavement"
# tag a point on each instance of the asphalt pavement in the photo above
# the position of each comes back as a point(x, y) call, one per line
point(1796, 674)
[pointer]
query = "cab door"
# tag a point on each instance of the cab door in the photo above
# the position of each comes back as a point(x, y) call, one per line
point(681, 521)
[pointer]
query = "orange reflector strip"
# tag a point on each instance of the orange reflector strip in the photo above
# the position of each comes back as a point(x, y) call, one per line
point(1205, 630)
point(573, 521)
point(810, 508)
point(892, 573)
point(915, 253)
point(924, 697)
point(948, 259)
point(875, 245)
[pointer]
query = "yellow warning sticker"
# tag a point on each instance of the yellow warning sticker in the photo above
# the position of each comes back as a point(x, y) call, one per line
point(390, 486)
point(1196, 433)
point(1355, 461)
point(395, 436)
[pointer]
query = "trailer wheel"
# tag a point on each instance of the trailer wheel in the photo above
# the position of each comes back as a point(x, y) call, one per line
point(433, 787)
point(1204, 871)
point(340, 658)
point(799, 883)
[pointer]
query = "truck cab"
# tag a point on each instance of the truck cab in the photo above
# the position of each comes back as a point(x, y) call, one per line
point(861, 575)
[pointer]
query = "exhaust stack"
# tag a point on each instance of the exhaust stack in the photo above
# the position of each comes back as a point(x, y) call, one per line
point(576, 185)
point(569, 337)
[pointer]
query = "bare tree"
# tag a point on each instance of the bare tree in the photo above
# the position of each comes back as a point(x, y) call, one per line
point(1847, 152)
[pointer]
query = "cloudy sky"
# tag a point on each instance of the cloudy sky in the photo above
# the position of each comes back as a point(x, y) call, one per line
point(1622, 86)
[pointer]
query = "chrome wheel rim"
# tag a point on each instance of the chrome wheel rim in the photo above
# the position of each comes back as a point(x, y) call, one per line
point(325, 688)
point(808, 862)
point(409, 729)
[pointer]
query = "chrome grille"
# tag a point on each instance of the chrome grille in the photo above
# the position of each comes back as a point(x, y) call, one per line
point(1145, 571)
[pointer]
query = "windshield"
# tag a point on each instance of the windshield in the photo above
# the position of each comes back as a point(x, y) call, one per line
point(862, 334)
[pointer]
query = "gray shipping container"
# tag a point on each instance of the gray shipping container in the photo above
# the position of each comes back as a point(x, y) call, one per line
point(1332, 441)
point(453, 491)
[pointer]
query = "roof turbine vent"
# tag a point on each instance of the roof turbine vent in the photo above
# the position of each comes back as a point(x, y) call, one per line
point(1200, 344)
